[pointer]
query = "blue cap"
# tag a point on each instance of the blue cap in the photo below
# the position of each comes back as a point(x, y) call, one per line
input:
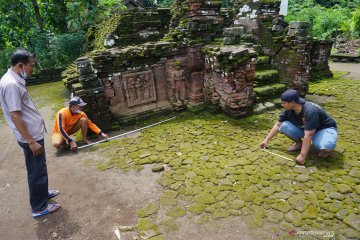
point(292, 95)
point(77, 101)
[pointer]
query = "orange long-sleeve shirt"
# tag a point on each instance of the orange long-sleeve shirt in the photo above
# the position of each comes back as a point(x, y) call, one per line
point(65, 121)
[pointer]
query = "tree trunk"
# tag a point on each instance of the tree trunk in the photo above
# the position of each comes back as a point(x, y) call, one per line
point(37, 15)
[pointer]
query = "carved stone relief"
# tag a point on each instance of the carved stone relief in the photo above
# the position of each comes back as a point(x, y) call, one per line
point(139, 88)
point(176, 79)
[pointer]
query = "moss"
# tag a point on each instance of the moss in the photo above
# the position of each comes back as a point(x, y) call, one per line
point(169, 225)
point(166, 181)
point(197, 208)
point(102, 167)
point(168, 198)
point(281, 206)
point(147, 227)
point(212, 146)
point(49, 94)
point(221, 213)
point(150, 209)
point(294, 217)
point(158, 237)
point(204, 198)
point(203, 219)
point(254, 221)
point(176, 212)
point(310, 213)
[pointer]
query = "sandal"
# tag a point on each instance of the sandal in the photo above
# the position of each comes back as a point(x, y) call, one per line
point(324, 153)
point(51, 207)
point(53, 193)
point(295, 147)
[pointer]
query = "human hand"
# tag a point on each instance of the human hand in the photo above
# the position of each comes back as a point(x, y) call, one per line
point(73, 146)
point(36, 148)
point(104, 135)
point(264, 143)
point(300, 159)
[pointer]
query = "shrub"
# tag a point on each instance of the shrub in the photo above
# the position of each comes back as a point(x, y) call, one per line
point(57, 50)
point(355, 23)
point(5, 55)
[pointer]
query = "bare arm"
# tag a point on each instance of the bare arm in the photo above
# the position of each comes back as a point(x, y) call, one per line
point(274, 130)
point(20, 125)
point(305, 146)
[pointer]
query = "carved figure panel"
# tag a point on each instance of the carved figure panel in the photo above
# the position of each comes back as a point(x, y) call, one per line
point(139, 88)
point(176, 78)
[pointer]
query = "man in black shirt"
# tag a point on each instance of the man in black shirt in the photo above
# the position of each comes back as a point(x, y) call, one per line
point(304, 122)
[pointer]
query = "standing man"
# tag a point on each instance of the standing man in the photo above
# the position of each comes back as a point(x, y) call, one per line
point(304, 122)
point(29, 127)
point(69, 120)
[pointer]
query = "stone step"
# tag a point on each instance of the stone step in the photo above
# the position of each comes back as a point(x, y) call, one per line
point(270, 91)
point(262, 60)
point(269, 105)
point(263, 63)
point(264, 77)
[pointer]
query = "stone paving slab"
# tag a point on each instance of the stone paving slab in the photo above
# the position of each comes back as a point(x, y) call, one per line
point(214, 170)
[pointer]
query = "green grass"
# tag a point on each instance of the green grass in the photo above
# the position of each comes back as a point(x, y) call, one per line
point(49, 94)
point(215, 166)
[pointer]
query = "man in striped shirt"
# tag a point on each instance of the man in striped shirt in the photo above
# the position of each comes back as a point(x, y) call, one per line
point(28, 126)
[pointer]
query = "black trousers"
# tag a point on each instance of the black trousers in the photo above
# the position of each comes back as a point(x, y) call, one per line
point(37, 177)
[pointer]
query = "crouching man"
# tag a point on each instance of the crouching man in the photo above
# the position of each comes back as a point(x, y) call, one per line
point(69, 120)
point(304, 122)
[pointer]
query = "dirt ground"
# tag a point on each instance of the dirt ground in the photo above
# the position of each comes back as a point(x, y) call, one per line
point(353, 69)
point(93, 202)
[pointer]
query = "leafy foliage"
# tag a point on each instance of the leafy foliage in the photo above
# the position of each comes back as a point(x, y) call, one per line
point(5, 59)
point(327, 18)
point(55, 50)
point(165, 3)
point(355, 23)
point(55, 30)
point(56, 34)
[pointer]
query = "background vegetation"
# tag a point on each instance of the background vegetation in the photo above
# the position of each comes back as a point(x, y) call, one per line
point(327, 18)
point(54, 29)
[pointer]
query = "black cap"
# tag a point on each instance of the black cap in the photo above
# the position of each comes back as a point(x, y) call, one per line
point(292, 95)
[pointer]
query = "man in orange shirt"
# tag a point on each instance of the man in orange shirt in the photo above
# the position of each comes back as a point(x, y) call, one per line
point(69, 120)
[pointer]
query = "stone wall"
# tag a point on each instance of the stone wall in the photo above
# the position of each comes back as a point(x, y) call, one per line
point(261, 23)
point(293, 63)
point(207, 58)
point(45, 76)
point(135, 26)
point(320, 54)
point(229, 76)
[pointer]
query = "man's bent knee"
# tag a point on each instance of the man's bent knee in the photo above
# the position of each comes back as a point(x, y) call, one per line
point(291, 131)
point(83, 121)
point(56, 140)
point(56, 145)
point(325, 139)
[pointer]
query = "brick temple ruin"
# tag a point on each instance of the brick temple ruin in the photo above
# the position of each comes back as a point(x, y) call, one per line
point(147, 61)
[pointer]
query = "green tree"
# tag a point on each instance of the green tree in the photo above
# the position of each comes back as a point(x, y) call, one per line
point(355, 23)
point(17, 22)
point(324, 22)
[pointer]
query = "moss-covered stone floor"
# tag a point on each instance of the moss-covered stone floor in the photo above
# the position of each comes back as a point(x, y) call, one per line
point(216, 170)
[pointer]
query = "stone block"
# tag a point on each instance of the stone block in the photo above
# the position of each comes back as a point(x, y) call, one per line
point(231, 40)
point(277, 28)
point(299, 24)
point(238, 31)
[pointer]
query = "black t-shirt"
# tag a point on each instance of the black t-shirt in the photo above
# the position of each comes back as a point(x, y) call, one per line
point(311, 117)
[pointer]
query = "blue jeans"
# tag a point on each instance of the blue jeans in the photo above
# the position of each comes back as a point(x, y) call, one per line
point(37, 177)
point(322, 139)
